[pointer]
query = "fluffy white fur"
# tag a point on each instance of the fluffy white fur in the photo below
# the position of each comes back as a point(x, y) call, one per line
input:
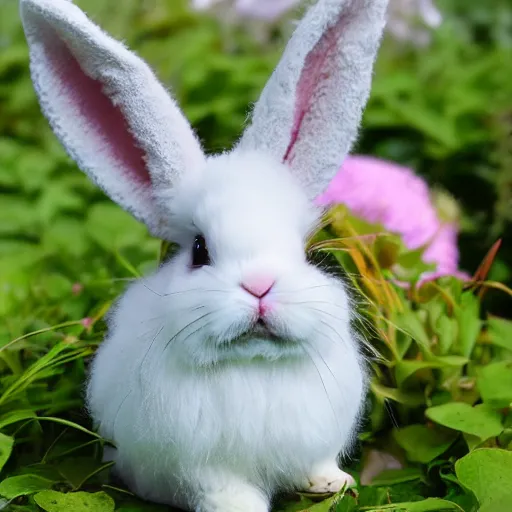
point(204, 416)
point(195, 415)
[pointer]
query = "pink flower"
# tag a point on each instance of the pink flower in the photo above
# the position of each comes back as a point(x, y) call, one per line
point(388, 194)
point(87, 322)
point(413, 20)
point(264, 9)
point(77, 288)
point(268, 10)
point(408, 20)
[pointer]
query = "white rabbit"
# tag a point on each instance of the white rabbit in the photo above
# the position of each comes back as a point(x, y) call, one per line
point(232, 372)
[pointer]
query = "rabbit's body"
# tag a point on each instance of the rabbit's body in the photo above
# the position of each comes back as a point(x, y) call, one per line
point(265, 423)
point(181, 400)
point(232, 372)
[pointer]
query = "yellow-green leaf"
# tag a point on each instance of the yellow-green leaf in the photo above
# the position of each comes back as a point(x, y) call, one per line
point(495, 384)
point(53, 501)
point(487, 472)
point(478, 421)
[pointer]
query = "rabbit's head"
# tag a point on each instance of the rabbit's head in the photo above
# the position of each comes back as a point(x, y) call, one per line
point(240, 284)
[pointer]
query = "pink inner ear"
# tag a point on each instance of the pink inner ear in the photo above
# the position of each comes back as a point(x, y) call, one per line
point(315, 72)
point(105, 130)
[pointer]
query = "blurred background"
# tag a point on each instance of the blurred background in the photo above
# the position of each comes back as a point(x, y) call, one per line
point(441, 104)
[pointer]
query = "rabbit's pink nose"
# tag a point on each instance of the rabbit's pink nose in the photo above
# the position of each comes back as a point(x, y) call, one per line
point(258, 285)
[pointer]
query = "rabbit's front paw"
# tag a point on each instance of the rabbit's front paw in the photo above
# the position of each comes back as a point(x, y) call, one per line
point(232, 496)
point(328, 478)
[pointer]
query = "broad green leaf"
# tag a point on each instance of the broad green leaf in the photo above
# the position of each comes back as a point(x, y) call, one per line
point(428, 505)
point(6, 444)
point(423, 444)
point(488, 473)
point(446, 329)
point(500, 332)
point(451, 360)
point(495, 384)
point(53, 501)
point(405, 369)
point(477, 421)
point(412, 325)
point(396, 476)
point(472, 441)
point(23, 485)
point(469, 323)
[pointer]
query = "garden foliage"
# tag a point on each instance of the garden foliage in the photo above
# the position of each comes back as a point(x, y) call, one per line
point(441, 354)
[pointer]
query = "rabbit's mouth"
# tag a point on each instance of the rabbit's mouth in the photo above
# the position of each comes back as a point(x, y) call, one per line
point(259, 340)
point(259, 330)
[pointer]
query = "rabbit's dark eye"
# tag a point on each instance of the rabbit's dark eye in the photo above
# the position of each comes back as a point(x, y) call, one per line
point(200, 256)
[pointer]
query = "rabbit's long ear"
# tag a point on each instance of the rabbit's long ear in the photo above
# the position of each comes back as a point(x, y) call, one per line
point(309, 112)
point(109, 111)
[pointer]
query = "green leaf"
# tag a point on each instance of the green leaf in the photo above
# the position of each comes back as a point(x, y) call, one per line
point(488, 473)
point(326, 505)
point(405, 369)
point(113, 228)
point(397, 476)
point(371, 496)
point(53, 501)
point(469, 323)
point(500, 332)
point(56, 286)
point(428, 505)
point(57, 197)
point(495, 384)
point(446, 329)
point(23, 485)
point(347, 504)
point(454, 361)
point(478, 421)
point(410, 399)
point(17, 215)
point(423, 444)
point(412, 325)
point(66, 235)
point(6, 444)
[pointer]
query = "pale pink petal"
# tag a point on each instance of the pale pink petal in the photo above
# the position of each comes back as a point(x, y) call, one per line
point(391, 195)
point(264, 9)
point(87, 322)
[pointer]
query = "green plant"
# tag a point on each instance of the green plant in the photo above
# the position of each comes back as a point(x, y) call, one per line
point(439, 391)
point(440, 397)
